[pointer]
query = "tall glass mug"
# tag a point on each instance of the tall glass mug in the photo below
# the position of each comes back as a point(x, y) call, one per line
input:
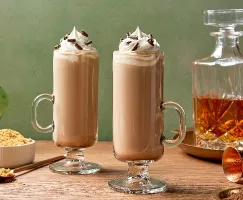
point(75, 107)
point(138, 126)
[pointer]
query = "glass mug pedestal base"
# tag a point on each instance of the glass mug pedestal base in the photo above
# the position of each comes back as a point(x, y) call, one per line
point(138, 185)
point(75, 164)
point(138, 180)
point(75, 167)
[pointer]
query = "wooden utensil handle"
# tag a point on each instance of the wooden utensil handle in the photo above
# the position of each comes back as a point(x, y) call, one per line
point(39, 164)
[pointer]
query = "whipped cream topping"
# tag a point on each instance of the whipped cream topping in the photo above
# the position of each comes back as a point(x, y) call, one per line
point(139, 41)
point(75, 41)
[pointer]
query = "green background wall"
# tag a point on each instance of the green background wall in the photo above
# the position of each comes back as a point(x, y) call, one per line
point(30, 29)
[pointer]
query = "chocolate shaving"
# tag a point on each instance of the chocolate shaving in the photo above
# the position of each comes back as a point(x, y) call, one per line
point(89, 42)
point(151, 41)
point(150, 36)
point(57, 46)
point(133, 37)
point(78, 47)
point(128, 34)
point(129, 42)
point(71, 40)
point(84, 33)
point(135, 47)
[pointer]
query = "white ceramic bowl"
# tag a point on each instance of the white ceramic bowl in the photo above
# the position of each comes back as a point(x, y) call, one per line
point(15, 156)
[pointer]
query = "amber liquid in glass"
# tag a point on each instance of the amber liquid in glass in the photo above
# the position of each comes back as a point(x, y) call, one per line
point(218, 122)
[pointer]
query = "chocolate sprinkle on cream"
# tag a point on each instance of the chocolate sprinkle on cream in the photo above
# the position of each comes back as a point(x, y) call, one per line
point(71, 40)
point(78, 47)
point(89, 42)
point(135, 47)
point(121, 39)
point(65, 37)
point(150, 35)
point(129, 42)
point(57, 46)
point(84, 33)
point(150, 41)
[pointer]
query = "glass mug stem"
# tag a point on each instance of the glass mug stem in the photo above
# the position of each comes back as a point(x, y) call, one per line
point(34, 118)
point(138, 171)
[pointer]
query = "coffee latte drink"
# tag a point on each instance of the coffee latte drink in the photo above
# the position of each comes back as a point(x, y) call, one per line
point(137, 96)
point(75, 90)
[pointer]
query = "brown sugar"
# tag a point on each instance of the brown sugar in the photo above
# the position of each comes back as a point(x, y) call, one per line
point(235, 196)
point(10, 137)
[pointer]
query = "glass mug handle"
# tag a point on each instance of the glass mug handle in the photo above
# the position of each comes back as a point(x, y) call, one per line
point(182, 126)
point(34, 120)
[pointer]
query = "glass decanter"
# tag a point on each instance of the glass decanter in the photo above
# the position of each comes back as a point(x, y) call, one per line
point(217, 82)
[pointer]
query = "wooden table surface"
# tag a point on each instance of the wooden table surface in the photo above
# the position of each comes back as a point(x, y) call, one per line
point(188, 178)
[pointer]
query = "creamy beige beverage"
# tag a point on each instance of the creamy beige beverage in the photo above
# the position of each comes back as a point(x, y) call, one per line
point(75, 65)
point(137, 95)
